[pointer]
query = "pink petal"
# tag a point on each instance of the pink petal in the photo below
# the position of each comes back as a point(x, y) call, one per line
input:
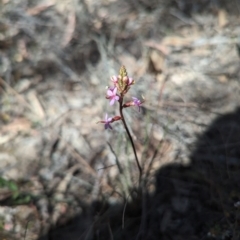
point(114, 79)
point(109, 92)
point(107, 125)
point(115, 91)
point(106, 117)
point(112, 101)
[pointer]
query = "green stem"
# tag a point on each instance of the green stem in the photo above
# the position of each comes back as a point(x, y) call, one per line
point(130, 138)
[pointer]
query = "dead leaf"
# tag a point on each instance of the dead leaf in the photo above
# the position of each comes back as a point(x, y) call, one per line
point(222, 18)
point(70, 28)
point(222, 79)
point(160, 47)
point(17, 125)
point(35, 104)
point(156, 63)
point(176, 41)
point(38, 9)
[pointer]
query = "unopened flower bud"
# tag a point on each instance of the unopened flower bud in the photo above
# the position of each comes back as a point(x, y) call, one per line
point(128, 104)
point(114, 79)
point(125, 80)
point(130, 81)
point(116, 118)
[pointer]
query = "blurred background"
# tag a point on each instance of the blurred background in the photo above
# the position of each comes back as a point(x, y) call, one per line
point(56, 59)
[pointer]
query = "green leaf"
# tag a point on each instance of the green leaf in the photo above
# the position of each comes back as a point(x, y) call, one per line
point(12, 186)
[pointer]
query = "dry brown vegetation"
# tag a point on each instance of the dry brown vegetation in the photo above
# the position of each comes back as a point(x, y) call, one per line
point(59, 178)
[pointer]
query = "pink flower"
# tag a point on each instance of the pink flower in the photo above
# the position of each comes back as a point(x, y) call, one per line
point(107, 122)
point(112, 95)
point(137, 102)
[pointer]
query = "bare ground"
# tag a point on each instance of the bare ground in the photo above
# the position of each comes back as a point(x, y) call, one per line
point(59, 178)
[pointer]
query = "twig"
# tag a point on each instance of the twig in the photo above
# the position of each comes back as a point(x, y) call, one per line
point(78, 157)
point(152, 160)
point(124, 210)
point(116, 158)
point(110, 231)
point(19, 97)
point(142, 227)
point(25, 232)
point(106, 167)
point(161, 90)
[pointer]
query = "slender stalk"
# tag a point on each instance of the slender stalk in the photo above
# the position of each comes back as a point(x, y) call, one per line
point(130, 138)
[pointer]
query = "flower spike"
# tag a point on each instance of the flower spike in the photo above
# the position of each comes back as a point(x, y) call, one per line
point(121, 85)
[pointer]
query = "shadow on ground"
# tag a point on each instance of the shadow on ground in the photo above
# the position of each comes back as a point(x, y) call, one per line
point(190, 202)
